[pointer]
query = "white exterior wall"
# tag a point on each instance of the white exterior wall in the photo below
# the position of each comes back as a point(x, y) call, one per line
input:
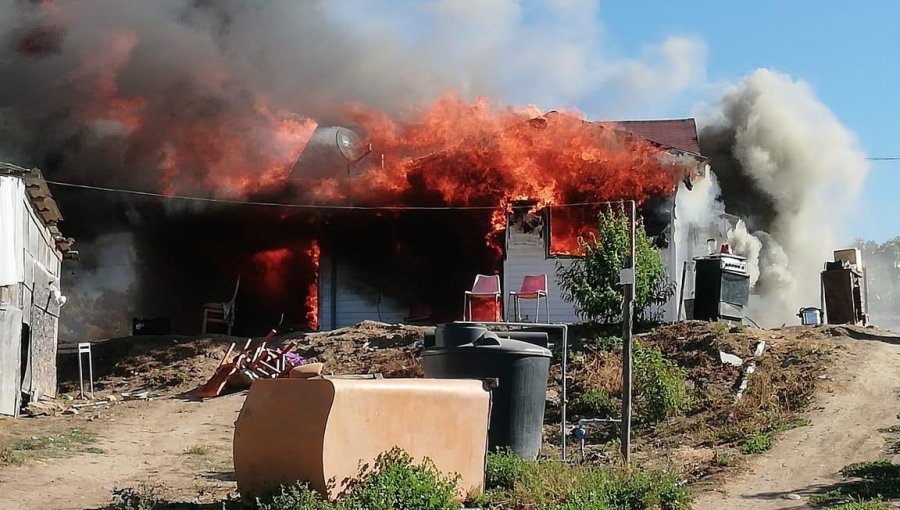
point(526, 255)
point(30, 263)
point(344, 300)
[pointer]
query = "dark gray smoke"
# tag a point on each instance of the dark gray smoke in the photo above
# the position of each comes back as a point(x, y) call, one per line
point(793, 172)
point(196, 96)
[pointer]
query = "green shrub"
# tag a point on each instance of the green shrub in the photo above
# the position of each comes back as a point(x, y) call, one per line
point(592, 282)
point(661, 388)
point(553, 485)
point(870, 504)
point(757, 443)
point(504, 468)
point(143, 498)
point(397, 483)
point(606, 343)
point(295, 497)
point(872, 470)
point(595, 403)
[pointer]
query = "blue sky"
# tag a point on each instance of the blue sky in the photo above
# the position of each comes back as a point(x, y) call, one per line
point(847, 51)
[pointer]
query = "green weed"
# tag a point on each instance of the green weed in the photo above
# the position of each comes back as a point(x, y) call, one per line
point(197, 449)
point(661, 386)
point(594, 403)
point(757, 443)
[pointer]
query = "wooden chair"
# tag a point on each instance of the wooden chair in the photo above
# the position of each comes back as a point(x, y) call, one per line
point(220, 313)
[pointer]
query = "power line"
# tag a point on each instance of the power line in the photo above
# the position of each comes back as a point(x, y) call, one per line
point(885, 158)
point(300, 206)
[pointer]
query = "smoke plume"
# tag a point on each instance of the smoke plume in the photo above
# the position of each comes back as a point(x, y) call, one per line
point(218, 99)
point(792, 172)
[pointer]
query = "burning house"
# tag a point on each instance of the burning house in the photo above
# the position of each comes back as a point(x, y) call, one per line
point(387, 219)
point(31, 252)
point(528, 234)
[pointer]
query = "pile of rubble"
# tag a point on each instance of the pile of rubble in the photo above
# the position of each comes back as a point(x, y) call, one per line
point(240, 368)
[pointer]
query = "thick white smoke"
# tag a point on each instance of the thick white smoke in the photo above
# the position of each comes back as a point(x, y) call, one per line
point(793, 172)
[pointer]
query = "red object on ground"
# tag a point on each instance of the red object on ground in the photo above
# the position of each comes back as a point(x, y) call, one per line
point(485, 309)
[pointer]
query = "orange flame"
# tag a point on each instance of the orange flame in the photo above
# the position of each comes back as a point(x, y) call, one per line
point(312, 295)
point(483, 155)
point(273, 264)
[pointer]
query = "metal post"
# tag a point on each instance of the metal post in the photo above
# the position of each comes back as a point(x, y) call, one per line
point(564, 398)
point(627, 313)
point(681, 292)
point(80, 372)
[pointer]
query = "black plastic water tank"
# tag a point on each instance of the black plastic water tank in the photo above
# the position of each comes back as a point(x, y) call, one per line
point(521, 368)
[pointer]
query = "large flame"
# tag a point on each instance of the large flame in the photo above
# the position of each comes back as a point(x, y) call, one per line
point(226, 142)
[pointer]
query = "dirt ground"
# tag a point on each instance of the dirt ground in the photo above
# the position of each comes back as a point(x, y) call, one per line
point(180, 445)
point(863, 397)
point(183, 446)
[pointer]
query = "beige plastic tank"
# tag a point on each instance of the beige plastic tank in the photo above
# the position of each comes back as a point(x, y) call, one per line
point(321, 430)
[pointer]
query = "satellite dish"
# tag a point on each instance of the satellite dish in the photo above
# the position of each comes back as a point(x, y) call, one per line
point(331, 150)
point(349, 144)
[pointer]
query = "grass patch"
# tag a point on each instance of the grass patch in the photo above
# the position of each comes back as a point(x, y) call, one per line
point(757, 443)
point(836, 500)
point(18, 451)
point(95, 451)
point(548, 484)
point(720, 329)
point(871, 504)
point(868, 485)
point(595, 403)
point(8, 456)
point(783, 426)
point(893, 429)
point(723, 459)
point(872, 470)
point(198, 449)
point(62, 441)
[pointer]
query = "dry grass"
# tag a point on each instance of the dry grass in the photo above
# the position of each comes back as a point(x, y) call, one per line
point(782, 386)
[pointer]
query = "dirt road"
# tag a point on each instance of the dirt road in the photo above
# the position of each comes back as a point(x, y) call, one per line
point(844, 429)
point(180, 445)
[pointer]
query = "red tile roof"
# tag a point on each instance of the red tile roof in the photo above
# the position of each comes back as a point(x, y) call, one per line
point(676, 133)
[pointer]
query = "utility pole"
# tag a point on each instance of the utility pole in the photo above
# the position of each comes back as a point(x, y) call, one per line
point(627, 279)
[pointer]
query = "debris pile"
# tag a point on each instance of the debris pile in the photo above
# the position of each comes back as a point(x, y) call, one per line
point(240, 369)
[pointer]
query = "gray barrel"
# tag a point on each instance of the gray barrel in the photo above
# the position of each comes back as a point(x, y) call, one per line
point(521, 368)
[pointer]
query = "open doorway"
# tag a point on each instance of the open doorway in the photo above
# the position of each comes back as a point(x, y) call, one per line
point(25, 366)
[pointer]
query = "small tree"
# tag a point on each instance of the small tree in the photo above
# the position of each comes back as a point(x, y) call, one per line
point(592, 282)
